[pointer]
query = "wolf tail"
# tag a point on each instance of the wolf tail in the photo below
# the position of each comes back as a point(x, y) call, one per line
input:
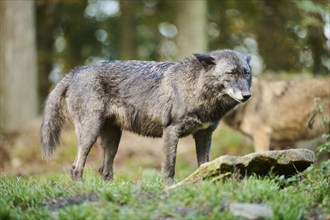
point(55, 117)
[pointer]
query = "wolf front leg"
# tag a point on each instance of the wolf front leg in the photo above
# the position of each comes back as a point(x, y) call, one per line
point(203, 139)
point(170, 142)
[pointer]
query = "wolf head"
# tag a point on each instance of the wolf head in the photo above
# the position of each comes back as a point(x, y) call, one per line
point(229, 71)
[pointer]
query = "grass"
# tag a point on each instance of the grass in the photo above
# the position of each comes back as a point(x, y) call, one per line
point(141, 197)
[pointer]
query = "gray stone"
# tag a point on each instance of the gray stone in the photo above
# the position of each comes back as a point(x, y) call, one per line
point(251, 211)
point(281, 162)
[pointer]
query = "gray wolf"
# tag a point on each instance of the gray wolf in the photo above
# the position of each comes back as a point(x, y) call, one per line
point(283, 112)
point(155, 99)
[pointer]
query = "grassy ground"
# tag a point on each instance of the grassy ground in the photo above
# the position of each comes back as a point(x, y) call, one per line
point(140, 196)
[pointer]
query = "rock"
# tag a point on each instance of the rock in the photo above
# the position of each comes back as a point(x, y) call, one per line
point(281, 162)
point(57, 203)
point(251, 211)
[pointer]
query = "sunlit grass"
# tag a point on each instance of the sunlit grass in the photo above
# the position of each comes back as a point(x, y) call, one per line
point(137, 191)
point(141, 196)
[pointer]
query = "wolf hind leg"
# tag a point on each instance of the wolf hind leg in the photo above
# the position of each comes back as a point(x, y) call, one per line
point(87, 135)
point(110, 138)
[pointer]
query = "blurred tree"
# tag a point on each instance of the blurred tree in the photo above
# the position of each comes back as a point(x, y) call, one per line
point(275, 36)
point(315, 40)
point(153, 18)
point(314, 13)
point(75, 37)
point(46, 23)
point(230, 22)
point(128, 35)
point(286, 33)
point(191, 21)
point(18, 58)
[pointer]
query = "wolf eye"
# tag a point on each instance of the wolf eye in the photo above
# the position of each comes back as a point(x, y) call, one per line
point(246, 73)
point(231, 73)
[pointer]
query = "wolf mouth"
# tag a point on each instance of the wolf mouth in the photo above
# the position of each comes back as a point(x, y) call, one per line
point(236, 99)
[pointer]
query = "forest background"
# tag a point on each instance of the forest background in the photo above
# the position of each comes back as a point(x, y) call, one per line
point(43, 40)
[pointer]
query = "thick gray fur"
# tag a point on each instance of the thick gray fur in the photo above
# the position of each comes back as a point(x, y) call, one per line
point(155, 99)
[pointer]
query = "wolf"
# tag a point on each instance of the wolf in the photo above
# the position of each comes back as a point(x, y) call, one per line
point(155, 99)
point(283, 112)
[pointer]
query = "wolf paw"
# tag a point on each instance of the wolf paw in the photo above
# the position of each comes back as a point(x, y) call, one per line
point(167, 181)
point(76, 175)
point(106, 175)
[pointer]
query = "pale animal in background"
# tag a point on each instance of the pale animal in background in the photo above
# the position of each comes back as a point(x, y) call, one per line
point(283, 111)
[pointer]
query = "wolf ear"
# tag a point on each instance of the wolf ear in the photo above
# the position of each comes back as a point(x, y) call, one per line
point(206, 60)
point(248, 58)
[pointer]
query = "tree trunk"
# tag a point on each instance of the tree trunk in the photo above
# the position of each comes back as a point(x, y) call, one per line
point(127, 30)
point(316, 39)
point(18, 61)
point(191, 22)
point(45, 26)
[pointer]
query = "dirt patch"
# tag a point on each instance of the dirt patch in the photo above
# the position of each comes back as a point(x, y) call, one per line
point(5, 142)
point(57, 203)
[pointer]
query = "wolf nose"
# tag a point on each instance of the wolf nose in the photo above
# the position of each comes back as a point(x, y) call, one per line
point(246, 97)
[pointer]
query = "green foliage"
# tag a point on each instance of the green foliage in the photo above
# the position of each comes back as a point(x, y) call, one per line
point(325, 146)
point(28, 197)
